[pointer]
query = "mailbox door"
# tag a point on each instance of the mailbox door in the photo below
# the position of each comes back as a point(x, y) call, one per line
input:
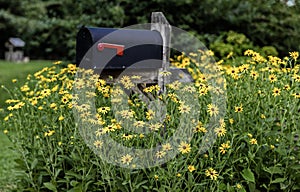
point(117, 49)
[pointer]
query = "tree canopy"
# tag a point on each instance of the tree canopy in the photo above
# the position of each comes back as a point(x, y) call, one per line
point(49, 27)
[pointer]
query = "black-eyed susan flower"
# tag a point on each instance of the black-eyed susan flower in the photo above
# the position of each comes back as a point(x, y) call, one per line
point(175, 85)
point(258, 58)
point(220, 132)
point(141, 136)
point(276, 92)
point(155, 126)
point(224, 146)
point(57, 62)
point(45, 93)
point(294, 55)
point(190, 89)
point(184, 108)
point(150, 114)
point(287, 87)
point(110, 128)
point(233, 71)
point(184, 147)
point(71, 68)
point(209, 53)
point(12, 101)
point(272, 78)
point(238, 109)
point(125, 80)
point(203, 91)
point(53, 106)
point(160, 154)
point(49, 133)
point(156, 177)
point(167, 147)
point(212, 110)
point(98, 144)
point(296, 78)
point(191, 168)
point(213, 174)
point(103, 110)
point(202, 78)
point(139, 124)
point(248, 52)
point(136, 77)
point(127, 136)
point(127, 114)
point(199, 128)
point(100, 132)
point(244, 67)
point(296, 95)
point(126, 159)
point(254, 74)
point(229, 55)
point(185, 62)
point(222, 123)
point(65, 99)
point(60, 118)
point(217, 90)
point(253, 141)
point(165, 73)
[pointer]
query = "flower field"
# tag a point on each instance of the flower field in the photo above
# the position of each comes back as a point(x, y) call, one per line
point(59, 124)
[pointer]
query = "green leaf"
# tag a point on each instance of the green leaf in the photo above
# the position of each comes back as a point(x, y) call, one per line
point(230, 188)
point(141, 183)
point(73, 183)
point(296, 167)
point(278, 180)
point(145, 187)
point(273, 170)
point(222, 186)
point(248, 175)
point(70, 173)
point(34, 163)
point(75, 189)
point(50, 186)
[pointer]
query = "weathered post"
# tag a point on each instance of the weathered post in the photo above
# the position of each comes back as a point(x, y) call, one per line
point(160, 24)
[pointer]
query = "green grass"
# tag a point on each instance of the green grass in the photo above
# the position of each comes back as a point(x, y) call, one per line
point(9, 71)
point(19, 71)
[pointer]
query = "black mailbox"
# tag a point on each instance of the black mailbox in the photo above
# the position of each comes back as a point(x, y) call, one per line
point(119, 48)
point(145, 53)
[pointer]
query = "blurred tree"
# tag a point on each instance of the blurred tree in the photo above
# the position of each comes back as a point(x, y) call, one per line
point(49, 27)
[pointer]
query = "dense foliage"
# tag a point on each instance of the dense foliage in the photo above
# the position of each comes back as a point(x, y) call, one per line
point(49, 27)
point(257, 141)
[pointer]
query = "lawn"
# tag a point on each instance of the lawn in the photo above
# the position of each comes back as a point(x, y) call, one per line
point(18, 71)
point(9, 71)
